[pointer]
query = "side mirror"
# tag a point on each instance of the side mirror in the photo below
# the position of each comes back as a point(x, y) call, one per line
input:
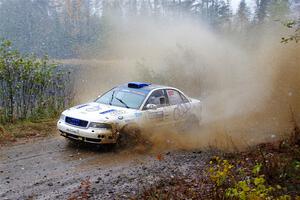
point(151, 106)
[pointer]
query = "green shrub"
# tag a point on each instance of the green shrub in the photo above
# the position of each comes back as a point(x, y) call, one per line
point(234, 182)
point(30, 87)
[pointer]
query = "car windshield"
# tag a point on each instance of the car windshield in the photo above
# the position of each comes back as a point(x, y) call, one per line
point(126, 98)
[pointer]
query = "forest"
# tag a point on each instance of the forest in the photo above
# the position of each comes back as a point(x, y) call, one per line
point(67, 29)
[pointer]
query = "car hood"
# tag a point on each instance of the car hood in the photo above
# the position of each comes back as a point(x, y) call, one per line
point(96, 112)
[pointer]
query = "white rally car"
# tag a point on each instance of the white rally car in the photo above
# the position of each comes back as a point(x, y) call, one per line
point(134, 104)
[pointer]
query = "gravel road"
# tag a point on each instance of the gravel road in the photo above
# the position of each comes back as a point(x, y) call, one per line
point(53, 168)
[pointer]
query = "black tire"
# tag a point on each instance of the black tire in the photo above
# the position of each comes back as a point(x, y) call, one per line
point(108, 147)
point(71, 141)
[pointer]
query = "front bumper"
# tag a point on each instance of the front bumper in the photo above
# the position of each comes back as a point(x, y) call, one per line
point(89, 135)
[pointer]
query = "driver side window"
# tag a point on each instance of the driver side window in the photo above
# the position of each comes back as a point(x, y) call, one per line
point(158, 98)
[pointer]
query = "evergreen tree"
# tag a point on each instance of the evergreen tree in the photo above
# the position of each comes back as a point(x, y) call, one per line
point(261, 11)
point(242, 17)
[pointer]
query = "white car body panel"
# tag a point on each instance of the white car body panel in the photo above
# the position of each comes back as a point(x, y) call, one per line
point(119, 117)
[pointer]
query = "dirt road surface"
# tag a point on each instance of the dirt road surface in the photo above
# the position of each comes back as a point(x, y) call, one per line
point(53, 168)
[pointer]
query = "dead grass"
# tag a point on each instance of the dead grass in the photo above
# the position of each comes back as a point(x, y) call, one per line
point(83, 191)
point(26, 129)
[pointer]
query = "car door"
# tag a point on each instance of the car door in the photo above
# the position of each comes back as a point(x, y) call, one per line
point(158, 115)
point(179, 106)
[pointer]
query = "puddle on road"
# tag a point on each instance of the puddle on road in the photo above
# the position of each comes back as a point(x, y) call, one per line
point(114, 158)
point(87, 156)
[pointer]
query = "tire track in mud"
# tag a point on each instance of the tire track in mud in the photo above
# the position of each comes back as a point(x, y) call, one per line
point(53, 168)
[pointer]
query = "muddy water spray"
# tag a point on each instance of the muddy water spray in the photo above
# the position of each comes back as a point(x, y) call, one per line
point(245, 91)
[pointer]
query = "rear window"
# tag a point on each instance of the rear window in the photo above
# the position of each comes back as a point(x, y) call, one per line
point(176, 97)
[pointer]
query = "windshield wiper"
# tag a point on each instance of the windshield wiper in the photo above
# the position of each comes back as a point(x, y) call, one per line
point(122, 102)
point(112, 97)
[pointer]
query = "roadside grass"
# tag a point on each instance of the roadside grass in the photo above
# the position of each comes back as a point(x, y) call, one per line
point(26, 129)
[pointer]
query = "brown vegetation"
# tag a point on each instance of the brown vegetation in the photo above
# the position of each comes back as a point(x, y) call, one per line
point(266, 171)
point(25, 129)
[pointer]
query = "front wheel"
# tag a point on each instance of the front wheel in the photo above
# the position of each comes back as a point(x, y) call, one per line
point(130, 135)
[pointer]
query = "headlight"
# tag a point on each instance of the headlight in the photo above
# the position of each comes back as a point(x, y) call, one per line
point(100, 125)
point(62, 117)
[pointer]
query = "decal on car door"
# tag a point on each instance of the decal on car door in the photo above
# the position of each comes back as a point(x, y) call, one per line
point(156, 115)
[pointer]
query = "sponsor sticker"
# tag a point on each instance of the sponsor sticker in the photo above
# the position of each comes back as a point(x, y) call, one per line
point(118, 112)
point(170, 92)
point(143, 93)
point(82, 106)
point(107, 111)
point(156, 115)
point(113, 112)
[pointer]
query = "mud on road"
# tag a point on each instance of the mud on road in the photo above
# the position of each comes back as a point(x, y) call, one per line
point(53, 168)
